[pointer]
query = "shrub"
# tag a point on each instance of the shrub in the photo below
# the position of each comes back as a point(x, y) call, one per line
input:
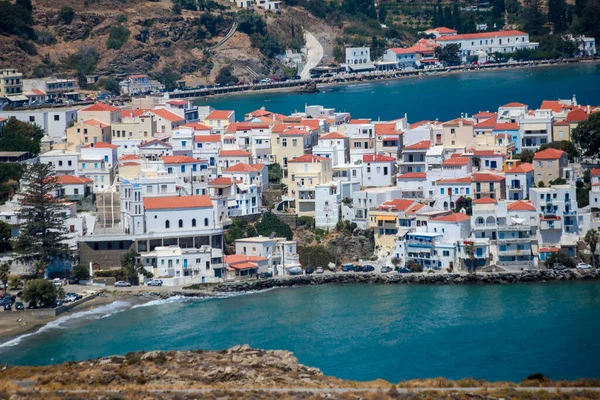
point(81, 272)
point(118, 37)
point(414, 266)
point(122, 18)
point(67, 14)
point(309, 222)
point(44, 37)
point(270, 223)
point(40, 291)
point(225, 76)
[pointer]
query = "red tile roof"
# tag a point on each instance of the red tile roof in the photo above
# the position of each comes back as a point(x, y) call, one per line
point(95, 122)
point(455, 217)
point(485, 200)
point(333, 135)
point(308, 158)
point(234, 153)
point(242, 167)
point(294, 132)
point(369, 158)
point(359, 121)
point(577, 115)
point(422, 145)
point(197, 126)
point(456, 161)
point(129, 157)
point(385, 129)
point(72, 180)
point(488, 123)
point(100, 145)
point(487, 153)
point(442, 29)
point(485, 114)
point(456, 121)
point(521, 169)
point(514, 104)
point(240, 258)
point(553, 105)
point(412, 175)
point(168, 115)
point(509, 126)
point(177, 102)
point(486, 177)
point(595, 172)
point(481, 35)
point(417, 124)
point(207, 138)
point(548, 154)
point(219, 114)
point(132, 113)
point(178, 160)
point(549, 250)
point(313, 124)
point(396, 205)
point(101, 107)
point(223, 181)
point(520, 205)
point(38, 92)
point(155, 141)
point(414, 209)
point(176, 202)
point(466, 179)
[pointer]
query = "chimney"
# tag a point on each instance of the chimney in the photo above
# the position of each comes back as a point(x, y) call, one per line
point(574, 100)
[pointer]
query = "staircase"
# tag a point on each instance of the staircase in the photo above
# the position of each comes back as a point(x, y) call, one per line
point(252, 73)
point(226, 37)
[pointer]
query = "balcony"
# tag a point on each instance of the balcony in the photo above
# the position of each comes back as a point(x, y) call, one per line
point(484, 227)
point(518, 240)
point(515, 188)
point(513, 252)
point(570, 213)
point(409, 162)
point(511, 228)
point(417, 243)
point(550, 224)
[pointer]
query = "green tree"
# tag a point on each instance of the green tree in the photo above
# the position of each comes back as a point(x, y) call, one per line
point(270, 223)
point(533, 17)
point(5, 237)
point(526, 156)
point(591, 239)
point(14, 283)
point(456, 22)
point(470, 252)
point(557, 14)
point(233, 233)
point(448, 54)
point(468, 26)
point(112, 86)
point(476, 162)
point(67, 14)
point(497, 8)
point(131, 267)
point(42, 231)
point(176, 8)
point(84, 60)
point(382, 13)
point(448, 19)
point(117, 37)
point(558, 258)
point(40, 291)
point(4, 273)
point(251, 232)
point(168, 77)
point(275, 173)
point(81, 272)
point(564, 145)
point(21, 136)
point(587, 135)
point(436, 21)
point(338, 54)
point(395, 261)
point(413, 266)
point(225, 76)
point(587, 23)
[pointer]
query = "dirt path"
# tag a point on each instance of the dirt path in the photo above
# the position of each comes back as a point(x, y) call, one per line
point(314, 54)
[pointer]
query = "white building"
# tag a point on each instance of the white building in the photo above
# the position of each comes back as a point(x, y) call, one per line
point(63, 161)
point(378, 171)
point(280, 252)
point(332, 145)
point(54, 121)
point(518, 181)
point(536, 129)
point(358, 59)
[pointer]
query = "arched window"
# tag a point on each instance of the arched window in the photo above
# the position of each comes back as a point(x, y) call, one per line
point(205, 221)
point(181, 223)
point(445, 205)
point(479, 221)
point(194, 222)
point(167, 224)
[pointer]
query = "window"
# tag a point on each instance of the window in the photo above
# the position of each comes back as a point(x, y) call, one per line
point(539, 163)
point(441, 190)
point(167, 224)
point(294, 142)
point(31, 118)
point(446, 253)
point(205, 221)
point(194, 222)
point(181, 223)
point(69, 163)
point(60, 163)
point(549, 163)
point(452, 130)
point(57, 117)
point(284, 142)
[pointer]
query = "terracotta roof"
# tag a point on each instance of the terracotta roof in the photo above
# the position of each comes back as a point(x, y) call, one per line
point(219, 114)
point(455, 217)
point(223, 181)
point(359, 121)
point(100, 145)
point(333, 135)
point(486, 177)
point(101, 107)
point(466, 179)
point(422, 145)
point(294, 132)
point(441, 29)
point(155, 141)
point(485, 114)
point(400, 50)
point(313, 124)
point(396, 205)
point(38, 92)
point(488, 123)
point(308, 158)
point(520, 205)
point(595, 172)
point(72, 180)
point(132, 113)
point(553, 105)
point(178, 160)
point(481, 35)
point(168, 115)
point(171, 202)
point(549, 250)
point(456, 161)
point(368, 158)
point(385, 129)
point(95, 122)
point(280, 128)
point(243, 266)
point(508, 126)
point(413, 175)
point(417, 124)
point(259, 113)
point(548, 154)
point(241, 167)
point(2, 119)
point(138, 76)
point(577, 115)
point(177, 102)
point(234, 153)
point(485, 200)
point(414, 209)
point(197, 126)
point(240, 258)
point(129, 157)
point(514, 104)
point(456, 121)
point(207, 138)
point(521, 169)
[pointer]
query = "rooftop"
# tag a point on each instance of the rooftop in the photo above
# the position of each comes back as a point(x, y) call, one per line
point(176, 202)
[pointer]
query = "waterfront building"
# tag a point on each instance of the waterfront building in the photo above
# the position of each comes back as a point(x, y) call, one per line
point(557, 206)
point(367, 200)
point(54, 88)
point(358, 59)
point(54, 121)
point(305, 173)
point(278, 252)
point(139, 84)
point(11, 84)
point(512, 112)
point(378, 170)
point(594, 194)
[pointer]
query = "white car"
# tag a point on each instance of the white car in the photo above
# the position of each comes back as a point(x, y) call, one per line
point(155, 282)
point(57, 282)
point(319, 270)
point(583, 266)
point(122, 284)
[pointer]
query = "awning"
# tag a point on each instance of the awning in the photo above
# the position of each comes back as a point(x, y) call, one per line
point(386, 218)
point(534, 249)
point(361, 67)
point(242, 187)
point(17, 98)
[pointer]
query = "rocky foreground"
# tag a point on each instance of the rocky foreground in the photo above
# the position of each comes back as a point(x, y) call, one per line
point(423, 279)
point(243, 373)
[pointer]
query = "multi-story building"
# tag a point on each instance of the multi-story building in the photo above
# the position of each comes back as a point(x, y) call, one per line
point(280, 252)
point(54, 121)
point(11, 82)
point(378, 170)
point(549, 165)
point(557, 206)
point(333, 145)
point(102, 112)
point(488, 185)
point(99, 162)
point(361, 135)
point(536, 129)
point(54, 88)
point(166, 121)
point(358, 59)
point(87, 132)
point(518, 181)
point(64, 162)
point(305, 173)
point(413, 157)
point(219, 120)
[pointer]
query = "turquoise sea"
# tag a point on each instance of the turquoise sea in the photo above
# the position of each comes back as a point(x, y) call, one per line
point(443, 96)
point(358, 332)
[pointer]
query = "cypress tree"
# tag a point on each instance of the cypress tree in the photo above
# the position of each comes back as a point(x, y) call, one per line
point(557, 14)
point(456, 18)
point(448, 21)
point(42, 232)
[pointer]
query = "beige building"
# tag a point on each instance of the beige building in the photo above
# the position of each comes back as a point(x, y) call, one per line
point(305, 173)
point(562, 130)
point(288, 143)
point(11, 82)
point(549, 165)
point(86, 132)
point(140, 125)
point(219, 120)
point(487, 185)
point(102, 112)
point(458, 134)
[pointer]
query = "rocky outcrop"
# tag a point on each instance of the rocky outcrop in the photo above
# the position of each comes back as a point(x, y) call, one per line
point(417, 279)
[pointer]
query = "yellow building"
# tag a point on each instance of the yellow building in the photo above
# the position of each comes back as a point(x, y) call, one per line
point(219, 120)
point(288, 143)
point(305, 173)
point(458, 133)
point(549, 165)
point(562, 130)
point(102, 112)
point(11, 82)
point(135, 124)
point(86, 132)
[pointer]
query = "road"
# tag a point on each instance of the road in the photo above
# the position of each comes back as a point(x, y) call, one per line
point(314, 54)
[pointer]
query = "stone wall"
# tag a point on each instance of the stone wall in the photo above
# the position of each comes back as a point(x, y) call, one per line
point(104, 256)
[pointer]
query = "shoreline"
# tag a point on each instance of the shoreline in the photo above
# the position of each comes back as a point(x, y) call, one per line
point(384, 78)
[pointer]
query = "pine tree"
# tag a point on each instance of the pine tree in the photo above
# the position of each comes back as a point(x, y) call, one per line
point(557, 14)
point(382, 13)
point(533, 17)
point(448, 21)
point(456, 18)
point(436, 17)
point(42, 232)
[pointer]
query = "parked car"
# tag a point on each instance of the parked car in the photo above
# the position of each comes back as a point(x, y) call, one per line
point(6, 302)
point(357, 268)
point(155, 282)
point(57, 282)
point(266, 80)
point(122, 284)
point(8, 307)
point(583, 266)
point(309, 270)
point(386, 270)
point(367, 268)
point(72, 297)
point(31, 305)
point(348, 267)
point(403, 270)
point(19, 306)
point(319, 270)
point(73, 281)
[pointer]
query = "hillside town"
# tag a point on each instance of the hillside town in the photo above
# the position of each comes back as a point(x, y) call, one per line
point(166, 179)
